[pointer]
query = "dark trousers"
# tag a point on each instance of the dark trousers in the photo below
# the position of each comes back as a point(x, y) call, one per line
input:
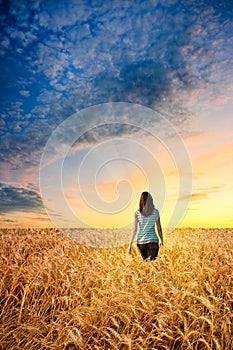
point(149, 250)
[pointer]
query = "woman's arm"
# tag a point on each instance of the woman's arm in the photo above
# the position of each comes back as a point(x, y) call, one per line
point(135, 228)
point(159, 229)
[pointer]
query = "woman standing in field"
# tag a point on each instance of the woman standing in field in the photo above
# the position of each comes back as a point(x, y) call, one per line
point(147, 239)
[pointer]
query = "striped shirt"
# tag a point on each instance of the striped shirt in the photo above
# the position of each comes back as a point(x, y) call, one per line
point(146, 233)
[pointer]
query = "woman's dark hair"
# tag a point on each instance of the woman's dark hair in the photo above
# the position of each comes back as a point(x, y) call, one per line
point(146, 205)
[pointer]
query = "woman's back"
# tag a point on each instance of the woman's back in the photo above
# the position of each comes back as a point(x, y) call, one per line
point(147, 238)
point(147, 231)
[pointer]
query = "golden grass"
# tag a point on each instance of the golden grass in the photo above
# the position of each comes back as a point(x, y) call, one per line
point(57, 294)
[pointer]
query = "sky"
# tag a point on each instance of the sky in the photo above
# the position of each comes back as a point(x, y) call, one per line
point(101, 100)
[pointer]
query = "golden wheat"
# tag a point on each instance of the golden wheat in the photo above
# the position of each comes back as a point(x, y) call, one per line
point(57, 294)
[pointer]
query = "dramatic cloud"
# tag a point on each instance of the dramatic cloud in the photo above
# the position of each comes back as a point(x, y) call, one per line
point(57, 58)
point(18, 199)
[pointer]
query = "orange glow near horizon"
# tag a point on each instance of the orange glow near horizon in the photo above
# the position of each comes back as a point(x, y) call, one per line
point(211, 200)
point(25, 220)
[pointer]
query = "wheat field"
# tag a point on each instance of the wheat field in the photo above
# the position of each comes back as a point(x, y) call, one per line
point(58, 294)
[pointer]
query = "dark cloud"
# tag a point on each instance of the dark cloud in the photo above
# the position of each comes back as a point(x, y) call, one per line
point(140, 82)
point(18, 199)
point(23, 151)
point(105, 132)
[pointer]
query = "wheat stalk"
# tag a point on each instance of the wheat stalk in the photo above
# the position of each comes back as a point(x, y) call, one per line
point(58, 294)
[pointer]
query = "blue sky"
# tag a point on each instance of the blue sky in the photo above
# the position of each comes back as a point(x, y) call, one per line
point(58, 57)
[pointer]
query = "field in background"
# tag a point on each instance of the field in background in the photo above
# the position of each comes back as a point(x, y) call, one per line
point(57, 294)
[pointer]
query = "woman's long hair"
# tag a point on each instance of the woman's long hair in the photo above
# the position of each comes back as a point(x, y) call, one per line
point(146, 205)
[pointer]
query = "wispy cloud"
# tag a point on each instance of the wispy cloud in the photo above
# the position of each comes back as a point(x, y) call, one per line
point(2, 219)
point(202, 193)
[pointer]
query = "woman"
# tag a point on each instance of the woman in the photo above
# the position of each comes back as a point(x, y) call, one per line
point(147, 239)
